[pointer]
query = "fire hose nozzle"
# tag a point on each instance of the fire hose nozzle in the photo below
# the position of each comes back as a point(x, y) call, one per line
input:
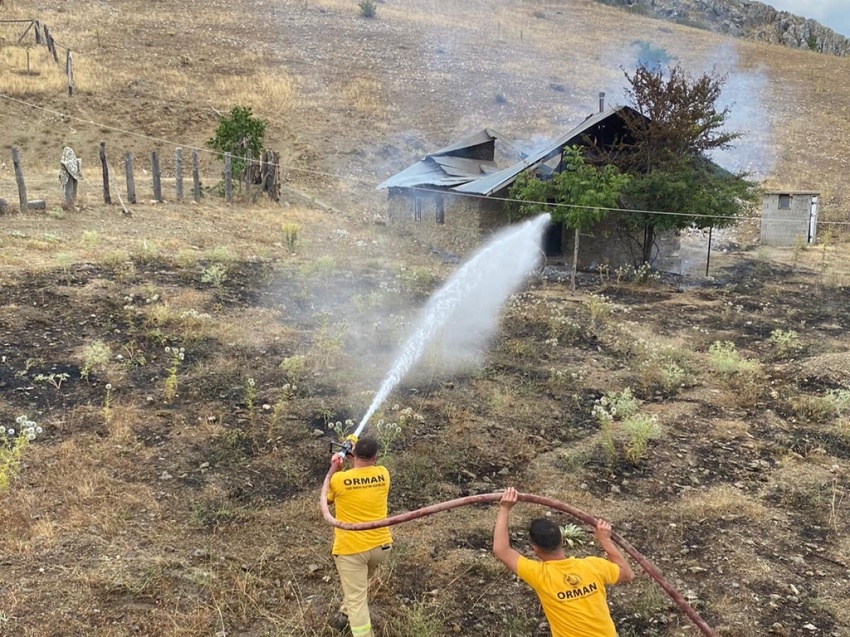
point(346, 447)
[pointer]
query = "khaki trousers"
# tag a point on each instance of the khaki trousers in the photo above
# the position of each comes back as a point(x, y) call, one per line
point(354, 574)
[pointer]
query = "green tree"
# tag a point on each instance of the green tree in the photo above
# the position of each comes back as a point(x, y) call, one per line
point(237, 133)
point(675, 126)
point(585, 193)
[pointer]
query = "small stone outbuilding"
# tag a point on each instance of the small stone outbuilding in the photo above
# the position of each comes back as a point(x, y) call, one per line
point(789, 217)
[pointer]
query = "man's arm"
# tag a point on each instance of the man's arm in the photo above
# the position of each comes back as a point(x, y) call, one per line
point(602, 532)
point(501, 541)
point(336, 465)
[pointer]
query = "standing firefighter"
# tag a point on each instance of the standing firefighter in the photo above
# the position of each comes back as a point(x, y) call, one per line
point(360, 495)
point(571, 590)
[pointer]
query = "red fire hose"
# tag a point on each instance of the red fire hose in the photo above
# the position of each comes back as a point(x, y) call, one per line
point(524, 497)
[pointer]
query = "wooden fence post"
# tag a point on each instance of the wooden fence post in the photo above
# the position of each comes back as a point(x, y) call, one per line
point(228, 178)
point(270, 176)
point(69, 71)
point(19, 177)
point(70, 193)
point(178, 173)
point(248, 176)
point(276, 177)
point(128, 173)
point(51, 45)
point(37, 32)
point(196, 176)
point(157, 177)
point(107, 198)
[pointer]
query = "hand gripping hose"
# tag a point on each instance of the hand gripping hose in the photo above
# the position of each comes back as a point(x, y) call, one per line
point(523, 497)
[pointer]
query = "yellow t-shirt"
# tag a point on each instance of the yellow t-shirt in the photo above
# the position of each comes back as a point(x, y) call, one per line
point(572, 593)
point(360, 495)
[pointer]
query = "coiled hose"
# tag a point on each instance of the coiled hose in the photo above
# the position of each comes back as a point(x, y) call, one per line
point(588, 519)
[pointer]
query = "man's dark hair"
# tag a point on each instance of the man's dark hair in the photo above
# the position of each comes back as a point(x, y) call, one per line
point(545, 535)
point(366, 448)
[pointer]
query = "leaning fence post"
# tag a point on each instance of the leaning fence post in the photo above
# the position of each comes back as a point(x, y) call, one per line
point(69, 71)
point(51, 45)
point(19, 177)
point(37, 32)
point(228, 178)
point(128, 174)
point(196, 176)
point(24, 34)
point(178, 173)
point(107, 198)
point(157, 177)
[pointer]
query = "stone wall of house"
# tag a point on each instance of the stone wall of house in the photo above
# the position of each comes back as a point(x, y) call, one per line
point(458, 235)
point(493, 213)
point(785, 226)
point(470, 221)
point(612, 245)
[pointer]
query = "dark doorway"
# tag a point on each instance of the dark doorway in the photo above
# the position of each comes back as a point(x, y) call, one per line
point(553, 240)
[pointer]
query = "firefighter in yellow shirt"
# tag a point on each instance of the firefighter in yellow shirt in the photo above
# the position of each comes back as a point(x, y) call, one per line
point(571, 590)
point(359, 495)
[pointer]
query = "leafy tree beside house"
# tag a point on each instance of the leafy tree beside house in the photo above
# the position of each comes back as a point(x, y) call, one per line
point(237, 133)
point(675, 127)
point(585, 193)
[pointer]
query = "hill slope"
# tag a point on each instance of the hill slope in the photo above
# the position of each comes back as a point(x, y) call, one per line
point(363, 98)
point(746, 19)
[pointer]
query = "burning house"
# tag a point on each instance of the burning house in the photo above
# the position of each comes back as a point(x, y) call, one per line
point(454, 197)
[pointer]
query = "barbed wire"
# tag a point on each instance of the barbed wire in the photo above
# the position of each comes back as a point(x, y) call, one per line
point(374, 184)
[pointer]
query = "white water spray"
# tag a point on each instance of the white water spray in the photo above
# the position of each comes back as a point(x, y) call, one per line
point(470, 300)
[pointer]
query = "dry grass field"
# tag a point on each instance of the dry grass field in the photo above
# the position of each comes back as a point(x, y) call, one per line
point(187, 365)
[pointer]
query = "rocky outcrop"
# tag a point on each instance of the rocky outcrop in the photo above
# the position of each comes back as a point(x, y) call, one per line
point(752, 20)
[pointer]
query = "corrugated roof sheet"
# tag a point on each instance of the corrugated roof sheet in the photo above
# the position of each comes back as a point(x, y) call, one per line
point(426, 172)
point(481, 137)
point(498, 180)
point(441, 169)
point(463, 167)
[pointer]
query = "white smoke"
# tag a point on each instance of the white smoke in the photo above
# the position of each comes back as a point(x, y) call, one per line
point(746, 93)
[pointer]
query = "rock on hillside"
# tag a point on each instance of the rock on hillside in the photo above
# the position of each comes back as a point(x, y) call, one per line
point(748, 19)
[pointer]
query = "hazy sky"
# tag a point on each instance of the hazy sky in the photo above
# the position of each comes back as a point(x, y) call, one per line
point(834, 14)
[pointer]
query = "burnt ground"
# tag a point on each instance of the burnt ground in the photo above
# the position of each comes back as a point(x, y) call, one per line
point(195, 513)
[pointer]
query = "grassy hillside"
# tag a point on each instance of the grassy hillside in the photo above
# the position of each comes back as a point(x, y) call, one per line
point(363, 97)
point(188, 364)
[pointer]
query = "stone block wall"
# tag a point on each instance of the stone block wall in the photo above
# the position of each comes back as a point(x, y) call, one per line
point(785, 227)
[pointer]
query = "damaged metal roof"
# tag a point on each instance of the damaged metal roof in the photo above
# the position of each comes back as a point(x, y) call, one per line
point(444, 168)
point(450, 168)
point(497, 181)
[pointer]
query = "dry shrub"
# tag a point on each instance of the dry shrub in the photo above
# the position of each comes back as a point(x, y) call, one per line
point(744, 376)
point(660, 365)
